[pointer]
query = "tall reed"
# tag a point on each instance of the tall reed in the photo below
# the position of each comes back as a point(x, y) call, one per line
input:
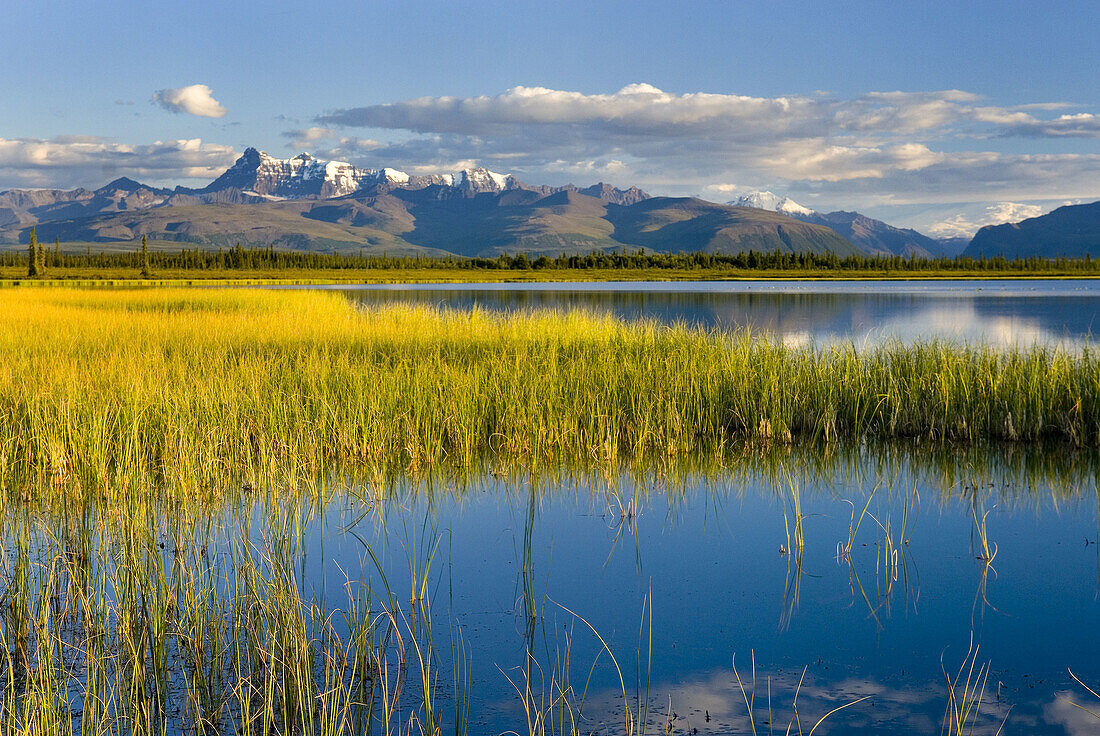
point(187, 388)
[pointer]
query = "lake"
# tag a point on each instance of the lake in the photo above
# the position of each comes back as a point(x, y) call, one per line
point(709, 556)
point(769, 585)
point(1002, 312)
point(518, 580)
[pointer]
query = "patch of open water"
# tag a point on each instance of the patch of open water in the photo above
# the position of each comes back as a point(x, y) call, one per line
point(1002, 312)
point(885, 597)
point(709, 568)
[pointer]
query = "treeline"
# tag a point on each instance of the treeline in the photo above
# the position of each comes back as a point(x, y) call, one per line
point(269, 259)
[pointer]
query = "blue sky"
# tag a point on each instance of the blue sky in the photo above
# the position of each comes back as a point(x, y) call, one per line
point(713, 99)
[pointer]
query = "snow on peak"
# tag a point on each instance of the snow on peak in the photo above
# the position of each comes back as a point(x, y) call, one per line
point(483, 180)
point(773, 202)
point(307, 176)
point(394, 176)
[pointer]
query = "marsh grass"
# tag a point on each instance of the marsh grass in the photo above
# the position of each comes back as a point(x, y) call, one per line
point(184, 388)
point(128, 419)
point(122, 626)
point(965, 694)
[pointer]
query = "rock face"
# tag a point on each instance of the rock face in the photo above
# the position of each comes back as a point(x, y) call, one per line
point(608, 193)
point(26, 207)
point(480, 181)
point(1073, 231)
point(301, 176)
point(874, 237)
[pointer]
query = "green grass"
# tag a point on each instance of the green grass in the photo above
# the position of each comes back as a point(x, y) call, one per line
point(107, 276)
point(189, 386)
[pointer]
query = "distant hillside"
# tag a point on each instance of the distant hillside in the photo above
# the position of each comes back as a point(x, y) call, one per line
point(433, 221)
point(871, 236)
point(878, 238)
point(1072, 231)
point(687, 224)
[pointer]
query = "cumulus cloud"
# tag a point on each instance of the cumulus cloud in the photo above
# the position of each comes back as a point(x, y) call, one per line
point(962, 225)
point(881, 147)
point(194, 99)
point(644, 111)
point(68, 161)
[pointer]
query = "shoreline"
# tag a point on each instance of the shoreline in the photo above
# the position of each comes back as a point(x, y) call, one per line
point(463, 276)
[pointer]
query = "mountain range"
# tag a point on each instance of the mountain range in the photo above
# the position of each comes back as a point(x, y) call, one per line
point(308, 203)
point(871, 236)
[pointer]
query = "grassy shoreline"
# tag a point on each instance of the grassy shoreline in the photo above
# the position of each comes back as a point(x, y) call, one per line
point(187, 386)
point(227, 277)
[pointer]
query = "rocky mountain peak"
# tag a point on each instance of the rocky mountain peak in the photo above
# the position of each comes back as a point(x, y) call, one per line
point(251, 156)
point(608, 193)
point(480, 180)
point(122, 184)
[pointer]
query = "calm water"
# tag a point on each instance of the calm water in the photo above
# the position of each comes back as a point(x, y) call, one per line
point(1000, 312)
point(710, 557)
point(705, 553)
point(681, 573)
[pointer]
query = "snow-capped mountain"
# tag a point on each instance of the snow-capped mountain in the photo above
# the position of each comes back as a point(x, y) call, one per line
point(773, 202)
point(257, 178)
point(302, 176)
point(256, 173)
point(482, 180)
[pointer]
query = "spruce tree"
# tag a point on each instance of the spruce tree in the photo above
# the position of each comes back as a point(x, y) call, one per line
point(32, 259)
point(57, 251)
point(145, 272)
point(40, 256)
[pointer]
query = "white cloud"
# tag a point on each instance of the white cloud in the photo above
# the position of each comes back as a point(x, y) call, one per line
point(879, 148)
point(1079, 125)
point(962, 226)
point(194, 99)
point(68, 161)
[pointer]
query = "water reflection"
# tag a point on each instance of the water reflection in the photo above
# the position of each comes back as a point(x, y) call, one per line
point(1004, 313)
point(597, 596)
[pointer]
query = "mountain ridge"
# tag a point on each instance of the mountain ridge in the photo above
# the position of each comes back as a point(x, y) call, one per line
point(1071, 230)
point(308, 203)
point(874, 237)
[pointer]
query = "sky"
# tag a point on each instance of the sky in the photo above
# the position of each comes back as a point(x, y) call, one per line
point(938, 115)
